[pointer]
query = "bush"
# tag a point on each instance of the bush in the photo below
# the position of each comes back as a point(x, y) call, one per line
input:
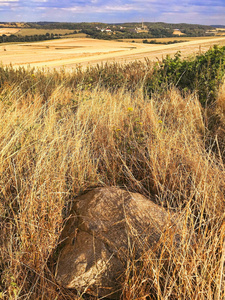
point(202, 74)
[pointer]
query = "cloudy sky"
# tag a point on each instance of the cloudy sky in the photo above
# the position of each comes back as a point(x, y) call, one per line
point(209, 12)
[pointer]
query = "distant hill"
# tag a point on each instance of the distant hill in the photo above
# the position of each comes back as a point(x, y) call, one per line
point(218, 26)
point(141, 30)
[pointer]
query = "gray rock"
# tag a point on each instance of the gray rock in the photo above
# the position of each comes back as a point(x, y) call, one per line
point(106, 225)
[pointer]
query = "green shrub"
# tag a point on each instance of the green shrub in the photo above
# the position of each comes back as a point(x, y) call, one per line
point(203, 74)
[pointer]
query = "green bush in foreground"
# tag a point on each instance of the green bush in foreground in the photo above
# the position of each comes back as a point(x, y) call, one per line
point(202, 74)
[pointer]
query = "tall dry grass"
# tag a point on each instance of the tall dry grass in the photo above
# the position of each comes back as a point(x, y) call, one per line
point(54, 147)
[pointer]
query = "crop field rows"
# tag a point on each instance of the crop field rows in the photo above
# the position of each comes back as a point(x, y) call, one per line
point(85, 51)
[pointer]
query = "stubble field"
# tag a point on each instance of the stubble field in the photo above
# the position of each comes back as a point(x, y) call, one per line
point(86, 51)
point(33, 31)
point(9, 31)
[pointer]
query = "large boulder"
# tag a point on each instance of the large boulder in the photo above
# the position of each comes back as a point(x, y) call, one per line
point(105, 226)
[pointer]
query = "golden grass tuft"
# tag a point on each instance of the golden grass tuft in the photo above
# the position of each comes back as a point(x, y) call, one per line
point(52, 150)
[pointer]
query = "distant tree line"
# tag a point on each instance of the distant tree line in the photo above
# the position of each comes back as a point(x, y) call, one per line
point(59, 25)
point(156, 29)
point(163, 43)
point(138, 35)
point(118, 31)
point(128, 34)
point(28, 38)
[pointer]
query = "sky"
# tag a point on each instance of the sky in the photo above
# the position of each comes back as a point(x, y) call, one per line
point(206, 12)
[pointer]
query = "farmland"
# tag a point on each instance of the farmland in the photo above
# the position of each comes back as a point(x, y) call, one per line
point(33, 31)
point(9, 31)
point(86, 51)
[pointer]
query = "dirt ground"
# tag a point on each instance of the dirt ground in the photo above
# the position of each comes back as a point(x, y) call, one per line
point(86, 51)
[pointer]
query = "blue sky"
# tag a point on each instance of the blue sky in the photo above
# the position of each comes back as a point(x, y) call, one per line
point(208, 12)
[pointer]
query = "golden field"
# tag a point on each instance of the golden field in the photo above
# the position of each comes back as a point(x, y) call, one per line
point(9, 31)
point(86, 51)
point(178, 32)
point(33, 31)
point(13, 25)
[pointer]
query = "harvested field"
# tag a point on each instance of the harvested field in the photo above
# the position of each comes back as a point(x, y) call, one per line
point(33, 31)
point(178, 32)
point(84, 51)
point(9, 31)
point(13, 25)
point(219, 33)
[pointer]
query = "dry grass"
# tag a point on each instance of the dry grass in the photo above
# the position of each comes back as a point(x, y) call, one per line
point(52, 149)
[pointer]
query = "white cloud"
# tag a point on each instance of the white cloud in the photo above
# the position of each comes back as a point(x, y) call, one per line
point(116, 8)
point(8, 3)
point(104, 8)
point(194, 11)
point(40, 8)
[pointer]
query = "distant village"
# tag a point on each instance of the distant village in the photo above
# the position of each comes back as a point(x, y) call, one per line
point(142, 29)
